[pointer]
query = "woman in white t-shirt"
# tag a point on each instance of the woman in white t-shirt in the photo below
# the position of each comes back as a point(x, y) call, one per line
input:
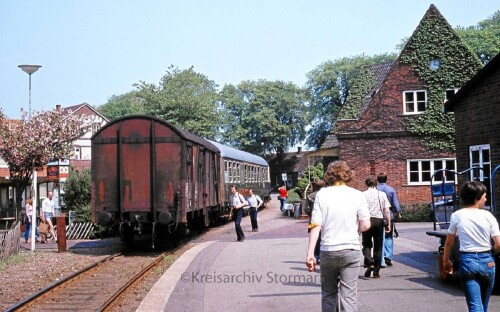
point(475, 228)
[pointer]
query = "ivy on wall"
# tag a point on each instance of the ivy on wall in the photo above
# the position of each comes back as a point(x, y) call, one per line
point(434, 39)
point(357, 95)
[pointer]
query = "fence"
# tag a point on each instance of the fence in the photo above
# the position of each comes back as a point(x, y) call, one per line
point(9, 241)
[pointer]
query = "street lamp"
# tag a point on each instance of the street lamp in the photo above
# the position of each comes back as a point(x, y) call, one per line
point(30, 69)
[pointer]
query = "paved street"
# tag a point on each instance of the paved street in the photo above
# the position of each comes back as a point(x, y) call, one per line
point(267, 273)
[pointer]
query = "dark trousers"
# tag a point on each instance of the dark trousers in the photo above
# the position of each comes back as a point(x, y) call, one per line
point(253, 218)
point(373, 239)
point(238, 215)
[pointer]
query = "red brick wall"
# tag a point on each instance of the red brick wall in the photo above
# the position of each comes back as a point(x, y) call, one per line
point(379, 141)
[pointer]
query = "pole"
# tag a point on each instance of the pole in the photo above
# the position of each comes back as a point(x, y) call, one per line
point(33, 215)
point(29, 98)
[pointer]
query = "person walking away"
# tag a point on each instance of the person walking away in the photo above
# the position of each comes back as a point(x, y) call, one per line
point(475, 228)
point(395, 211)
point(379, 205)
point(48, 213)
point(317, 185)
point(283, 195)
point(237, 204)
point(341, 213)
point(254, 201)
point(27, 221)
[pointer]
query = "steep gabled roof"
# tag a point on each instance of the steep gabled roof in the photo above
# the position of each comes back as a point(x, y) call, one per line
point(75, 108)
point(364, 89)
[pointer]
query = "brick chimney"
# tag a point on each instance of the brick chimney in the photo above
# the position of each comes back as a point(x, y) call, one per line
point(299, 149)
point(58, 106)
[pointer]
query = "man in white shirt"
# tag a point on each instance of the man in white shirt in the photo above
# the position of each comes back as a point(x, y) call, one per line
point(48, 213)
point(237, 203)
point(254, 201)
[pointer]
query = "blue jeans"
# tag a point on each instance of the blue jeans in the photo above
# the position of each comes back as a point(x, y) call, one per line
point(388, 252)
point(282, 201)
point(339, 280)
point(27, 226)
point(477, 274)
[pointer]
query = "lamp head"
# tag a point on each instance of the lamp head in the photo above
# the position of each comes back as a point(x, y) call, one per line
point(29, 69)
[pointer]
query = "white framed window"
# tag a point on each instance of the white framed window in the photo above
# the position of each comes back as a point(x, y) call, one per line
point(479, 156)
point(449, 93)
point(414, 102)
point(420, 171)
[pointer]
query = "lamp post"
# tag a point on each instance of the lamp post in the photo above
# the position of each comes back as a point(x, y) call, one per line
point(30, 69)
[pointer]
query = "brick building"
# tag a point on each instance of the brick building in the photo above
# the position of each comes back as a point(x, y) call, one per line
point(372, 128)
point(477, 123)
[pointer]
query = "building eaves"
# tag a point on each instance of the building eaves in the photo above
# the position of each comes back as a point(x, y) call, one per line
point(484, 72)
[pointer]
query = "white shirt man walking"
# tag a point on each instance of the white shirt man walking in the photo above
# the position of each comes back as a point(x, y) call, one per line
point(48, 213)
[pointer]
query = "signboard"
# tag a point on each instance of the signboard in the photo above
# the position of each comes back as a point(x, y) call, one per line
point(283, 176)
point(52, 173)
point(63, 172)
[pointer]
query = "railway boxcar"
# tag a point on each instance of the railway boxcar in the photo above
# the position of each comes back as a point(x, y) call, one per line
point(151, 177)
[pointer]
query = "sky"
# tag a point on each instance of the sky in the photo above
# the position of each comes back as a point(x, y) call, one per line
point(90, 50)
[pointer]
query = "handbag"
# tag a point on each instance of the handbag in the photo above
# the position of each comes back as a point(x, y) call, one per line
point(43, 227)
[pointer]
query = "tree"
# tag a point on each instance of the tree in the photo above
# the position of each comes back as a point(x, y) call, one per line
point(185, 98)
point(26, 144)
point(329, 85)
point(77, 193)
point(122, 105)
point(484, 38)
point(263, 116)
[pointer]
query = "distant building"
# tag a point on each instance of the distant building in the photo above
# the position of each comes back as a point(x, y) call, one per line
point(292, 165)
point(79, 159)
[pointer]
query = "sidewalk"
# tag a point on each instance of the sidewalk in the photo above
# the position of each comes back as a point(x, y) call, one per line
point(267, 272)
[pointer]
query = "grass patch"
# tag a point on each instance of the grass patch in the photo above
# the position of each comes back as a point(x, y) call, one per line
point(15, 258)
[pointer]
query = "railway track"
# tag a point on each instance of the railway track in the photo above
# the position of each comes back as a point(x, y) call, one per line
point(96, 287)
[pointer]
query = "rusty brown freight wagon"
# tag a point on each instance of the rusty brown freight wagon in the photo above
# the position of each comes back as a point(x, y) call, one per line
point(151, 177)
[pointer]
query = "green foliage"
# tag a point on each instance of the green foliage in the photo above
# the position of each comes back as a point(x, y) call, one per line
point(418, 212)
point(262, 117)
point(77, 193)
point(329, 85)
point(185, 98)
point(484, 38)
point(122, 105)
point(361, 87)
point(434, 39)
point(309, 175)
point(293, 197)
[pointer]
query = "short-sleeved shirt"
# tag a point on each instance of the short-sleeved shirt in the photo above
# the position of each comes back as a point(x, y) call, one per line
point(237, 199)
point(377, 202)
point(338, 209)
point(475, 228)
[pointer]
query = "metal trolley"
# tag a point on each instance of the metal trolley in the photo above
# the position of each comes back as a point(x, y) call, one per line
point(444, 201)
